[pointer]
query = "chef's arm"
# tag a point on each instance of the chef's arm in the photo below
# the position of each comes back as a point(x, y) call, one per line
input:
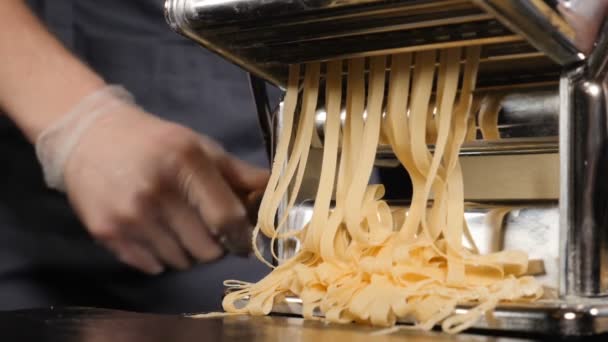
point(40, 80)
point(156, 194)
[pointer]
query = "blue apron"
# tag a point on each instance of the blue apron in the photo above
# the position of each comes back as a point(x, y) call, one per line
point(46, 256)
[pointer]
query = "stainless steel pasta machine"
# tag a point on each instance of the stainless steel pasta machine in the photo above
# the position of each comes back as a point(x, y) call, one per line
point(538, 188)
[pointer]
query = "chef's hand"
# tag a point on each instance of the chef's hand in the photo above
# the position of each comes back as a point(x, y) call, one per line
point(157, 194)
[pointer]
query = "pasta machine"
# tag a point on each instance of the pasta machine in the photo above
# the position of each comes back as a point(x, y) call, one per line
point(538, 187)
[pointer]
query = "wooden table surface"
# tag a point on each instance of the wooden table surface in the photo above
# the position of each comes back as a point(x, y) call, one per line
point(96, 325)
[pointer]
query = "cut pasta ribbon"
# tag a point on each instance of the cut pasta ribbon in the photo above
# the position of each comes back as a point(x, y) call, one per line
point(360, 262)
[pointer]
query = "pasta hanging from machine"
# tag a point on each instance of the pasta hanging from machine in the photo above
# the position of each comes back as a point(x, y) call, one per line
point(360, 261)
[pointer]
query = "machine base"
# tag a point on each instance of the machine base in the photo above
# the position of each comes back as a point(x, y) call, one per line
point(580, 317)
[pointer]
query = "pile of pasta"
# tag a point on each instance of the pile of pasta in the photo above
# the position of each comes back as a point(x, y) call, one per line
point(359, 260)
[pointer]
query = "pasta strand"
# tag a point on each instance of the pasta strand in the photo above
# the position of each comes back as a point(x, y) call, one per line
point(361, 261)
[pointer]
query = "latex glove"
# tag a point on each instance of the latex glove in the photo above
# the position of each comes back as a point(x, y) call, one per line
point(155, 193)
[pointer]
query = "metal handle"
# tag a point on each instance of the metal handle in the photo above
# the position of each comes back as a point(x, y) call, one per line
point(584, 166)
point(262, 105)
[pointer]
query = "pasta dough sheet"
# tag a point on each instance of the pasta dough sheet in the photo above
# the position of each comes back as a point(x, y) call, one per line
point(357, 261)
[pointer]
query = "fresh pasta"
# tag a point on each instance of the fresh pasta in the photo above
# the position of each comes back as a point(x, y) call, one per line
point(488, 116)
point(359, 260)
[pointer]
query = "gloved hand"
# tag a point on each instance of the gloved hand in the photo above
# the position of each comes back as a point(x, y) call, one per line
point(155, 193)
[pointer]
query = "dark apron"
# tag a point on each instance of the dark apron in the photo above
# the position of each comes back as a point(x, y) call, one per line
point(46, 256)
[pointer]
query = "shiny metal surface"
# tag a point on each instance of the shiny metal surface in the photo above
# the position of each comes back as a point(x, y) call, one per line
point(509, 146)
point(265, 114)
point(584, 190)
point(527, 123)
point(542, 27)
point(597, 62)
point(529, 114)
point(265, 36)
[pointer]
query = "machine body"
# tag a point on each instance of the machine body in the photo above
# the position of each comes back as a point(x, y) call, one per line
point(543, 181)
